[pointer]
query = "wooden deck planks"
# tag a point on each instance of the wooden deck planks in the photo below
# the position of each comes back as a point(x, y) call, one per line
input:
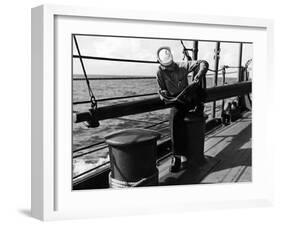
point(229, 151)
point(246, 175)
point(234, 152)
point(186, 176)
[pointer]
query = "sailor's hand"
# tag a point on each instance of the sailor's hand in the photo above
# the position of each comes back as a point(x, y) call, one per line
point(196, 79)
point(163, 92)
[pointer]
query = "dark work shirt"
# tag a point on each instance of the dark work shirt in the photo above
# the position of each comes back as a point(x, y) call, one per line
point(174, 79)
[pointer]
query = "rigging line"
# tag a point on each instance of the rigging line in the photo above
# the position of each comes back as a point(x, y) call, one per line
point(227, 73)
point(116, 59)
point(91, 94)
point(185, 51)
point(214, 70)
point(184, 48)
point(115, 78)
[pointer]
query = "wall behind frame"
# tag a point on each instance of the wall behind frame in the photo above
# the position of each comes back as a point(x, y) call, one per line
point(15, 102)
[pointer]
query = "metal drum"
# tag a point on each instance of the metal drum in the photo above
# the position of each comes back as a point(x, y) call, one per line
point(132, 154)
point(195, 137)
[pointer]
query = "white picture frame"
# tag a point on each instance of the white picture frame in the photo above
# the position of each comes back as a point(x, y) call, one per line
point(52, 197)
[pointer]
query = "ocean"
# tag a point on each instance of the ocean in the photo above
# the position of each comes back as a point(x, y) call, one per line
point(108, 88)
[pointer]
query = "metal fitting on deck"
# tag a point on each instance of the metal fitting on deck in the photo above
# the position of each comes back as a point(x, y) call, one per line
point(195, 138)
point(133, 158)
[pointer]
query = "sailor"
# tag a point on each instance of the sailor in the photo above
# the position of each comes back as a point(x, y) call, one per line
point(172, 79)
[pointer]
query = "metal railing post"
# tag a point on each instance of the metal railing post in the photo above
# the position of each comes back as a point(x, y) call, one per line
point(217, 58)
point(241, 71)
point(195, 50)
point(240, 74)
point(194, 54)
point(223, 83)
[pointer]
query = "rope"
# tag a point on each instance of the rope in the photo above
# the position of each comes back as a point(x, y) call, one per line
point(185, 52)
point(151, 180)
point(91, 94)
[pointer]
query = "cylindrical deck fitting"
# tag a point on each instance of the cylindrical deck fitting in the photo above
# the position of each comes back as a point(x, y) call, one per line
point(195, 137)
point(132, 154)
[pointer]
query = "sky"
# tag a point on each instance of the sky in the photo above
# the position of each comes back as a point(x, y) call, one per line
point(145, 49)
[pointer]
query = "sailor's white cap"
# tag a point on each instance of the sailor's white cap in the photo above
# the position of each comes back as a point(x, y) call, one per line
point(164, 56)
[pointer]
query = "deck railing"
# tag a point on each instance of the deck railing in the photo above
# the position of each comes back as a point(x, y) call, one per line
point(154, 103)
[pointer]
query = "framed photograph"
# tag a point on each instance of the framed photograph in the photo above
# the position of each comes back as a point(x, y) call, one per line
point(136, 113)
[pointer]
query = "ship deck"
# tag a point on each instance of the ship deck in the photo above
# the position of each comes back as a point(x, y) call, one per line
point(228, 153)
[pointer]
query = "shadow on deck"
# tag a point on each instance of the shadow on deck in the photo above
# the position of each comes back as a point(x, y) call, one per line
point(229, 157)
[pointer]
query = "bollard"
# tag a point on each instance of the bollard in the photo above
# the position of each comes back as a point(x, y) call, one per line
point(195, 138)
point(132, 155)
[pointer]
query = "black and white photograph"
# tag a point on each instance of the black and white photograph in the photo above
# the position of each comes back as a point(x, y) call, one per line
point(140, 113)
point(160, 112)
